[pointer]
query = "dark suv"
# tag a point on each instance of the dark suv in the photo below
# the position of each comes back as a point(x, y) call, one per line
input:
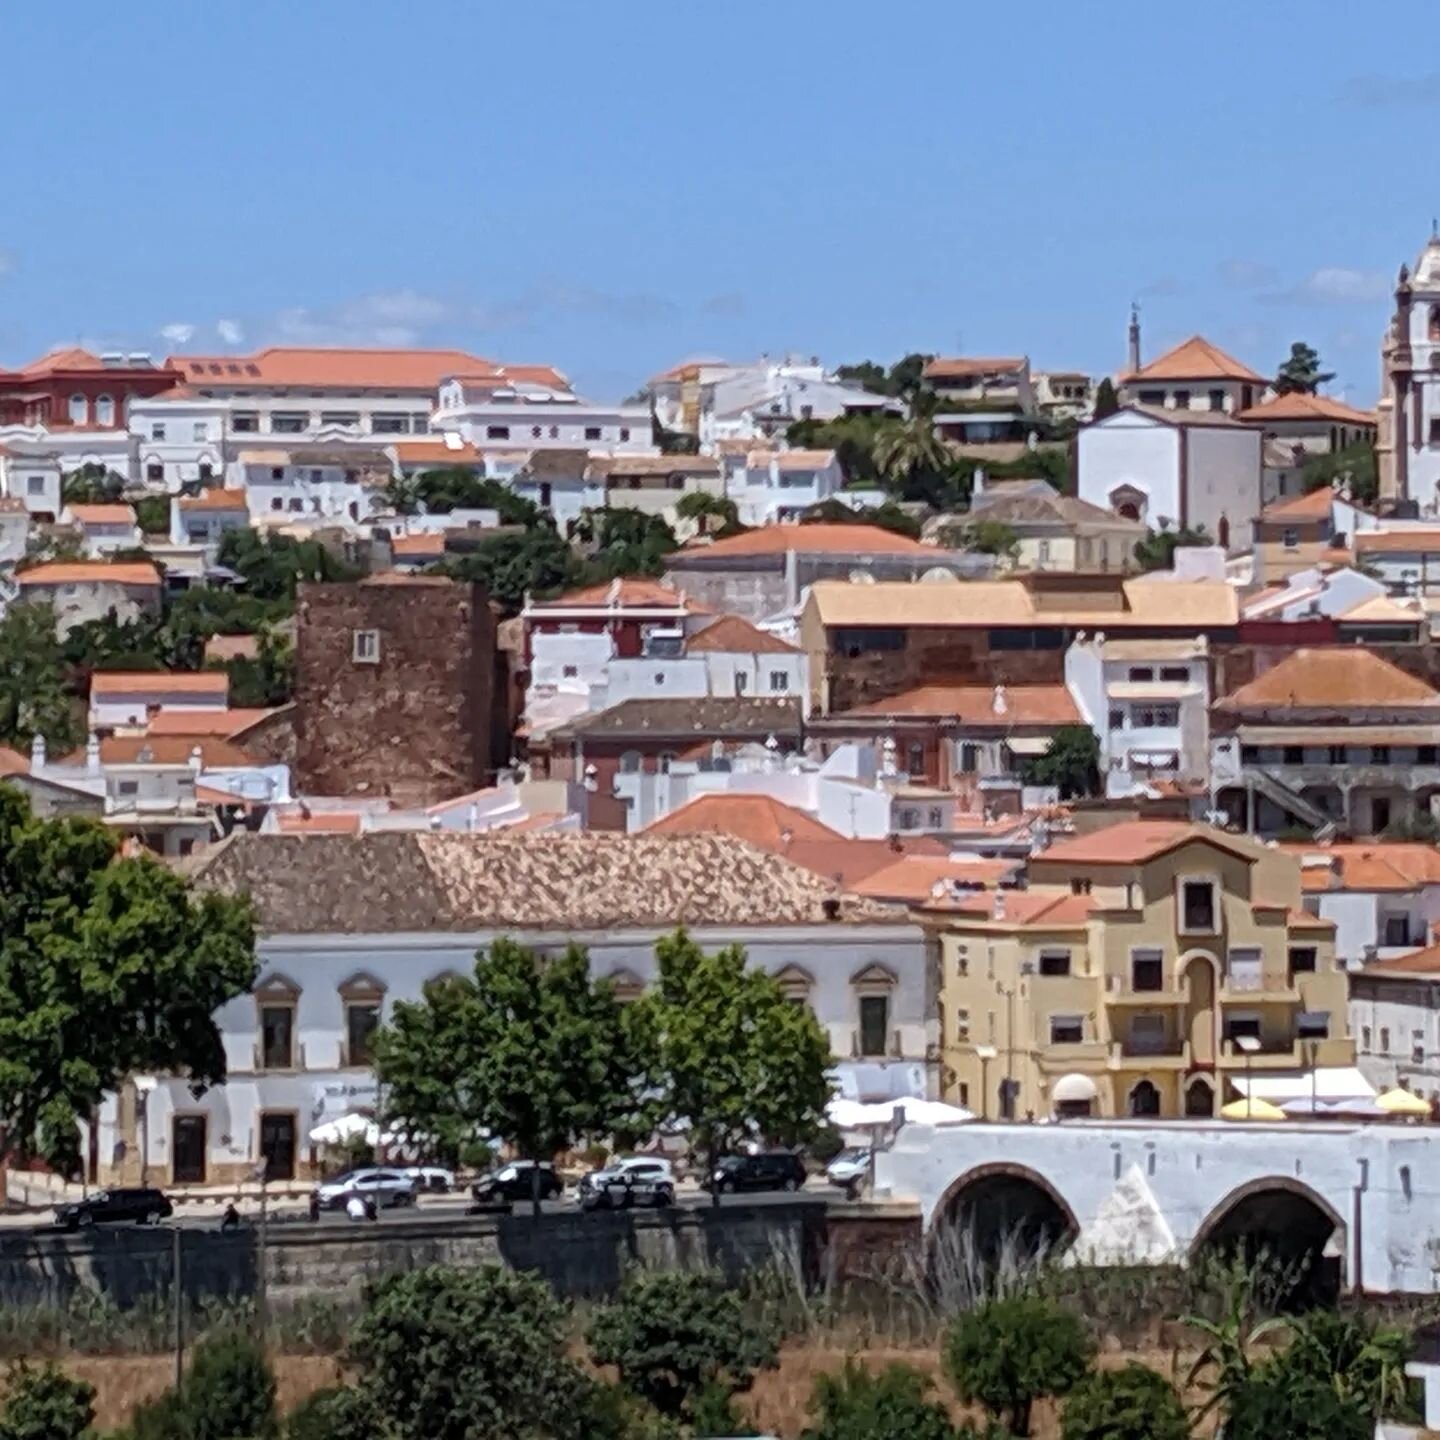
point(514, 1182)
point(779, 1170)
point(109, 1207)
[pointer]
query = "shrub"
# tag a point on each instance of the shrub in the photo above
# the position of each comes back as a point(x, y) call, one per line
point(671, 1334)
point(339, 1413)
point(46, 1404)
point(1008, 1353)
point(1130, 1404)
point(856, 1405)
point(229, 1389)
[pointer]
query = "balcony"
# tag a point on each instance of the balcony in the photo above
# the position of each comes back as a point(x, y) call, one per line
point(1292, 1054)
point(1145, 1052)
point(1251, 987)
point(893, 1048)
point(297, 1058)
point(1119, 992)
point(1082, 1055)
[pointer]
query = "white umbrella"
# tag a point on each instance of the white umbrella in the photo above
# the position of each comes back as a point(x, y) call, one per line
point(345, 1129)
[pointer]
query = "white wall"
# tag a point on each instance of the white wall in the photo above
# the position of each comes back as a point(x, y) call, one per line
point(1136, 451)
point(1223, 479)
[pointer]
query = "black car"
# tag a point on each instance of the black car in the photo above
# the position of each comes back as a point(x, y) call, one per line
point(138, 1206)
point(779, 1170)
point(514, 1182)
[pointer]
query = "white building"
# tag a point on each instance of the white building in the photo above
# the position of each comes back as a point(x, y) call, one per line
point(1195, 375)
point(84, 590)
point(1408, 445)
point(1174, 469)
point(204, 518)
point(125, 698)
point(488, 410)
point(1148, 702)
point(773, 486)
point(349, 925)
point(1395, 1016)
point(326, 486)
point(762, 401)
point(33, 476)
point(103, 528)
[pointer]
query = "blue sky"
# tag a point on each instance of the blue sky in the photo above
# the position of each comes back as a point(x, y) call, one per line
point(614, 187)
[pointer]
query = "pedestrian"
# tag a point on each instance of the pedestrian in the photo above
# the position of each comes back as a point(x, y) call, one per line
point(356, 1208)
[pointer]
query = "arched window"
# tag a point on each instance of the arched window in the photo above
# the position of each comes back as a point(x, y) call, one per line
point(79, 410)
point(104, 410)
point(1434, 326)
point(630, 762)
point(1145, 1099)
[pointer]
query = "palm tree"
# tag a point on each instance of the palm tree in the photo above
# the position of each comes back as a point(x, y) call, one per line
point(905, 449)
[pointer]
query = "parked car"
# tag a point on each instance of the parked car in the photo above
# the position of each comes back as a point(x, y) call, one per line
point(635, 1180)
point(139, 1206)
point(512, 1182)
point(850, 1169)
point(431, 1179)
point(778, 1170)
point(384, 1189)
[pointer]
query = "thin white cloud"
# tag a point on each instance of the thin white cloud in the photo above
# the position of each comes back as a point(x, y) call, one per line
point(177, 333)
point(1335, 285)
point(385, 318)
point(230, 332)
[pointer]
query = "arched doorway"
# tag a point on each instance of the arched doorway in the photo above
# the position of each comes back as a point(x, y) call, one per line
point(1198, 974)
point(999, 1217)
point(1286, 1232)
point(1145, 1099)
point(1200, 1099)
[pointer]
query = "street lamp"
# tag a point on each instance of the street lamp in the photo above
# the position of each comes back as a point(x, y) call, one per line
point(1248, 1044)
point(987, 1053)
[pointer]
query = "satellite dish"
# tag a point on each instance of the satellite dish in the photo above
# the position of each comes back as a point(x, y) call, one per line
point(938, 575)
point(861, 577)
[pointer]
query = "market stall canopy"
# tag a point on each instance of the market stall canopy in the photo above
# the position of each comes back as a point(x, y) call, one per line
point(1328, 1082)
point(1400, 1101)
point(1251, 1108)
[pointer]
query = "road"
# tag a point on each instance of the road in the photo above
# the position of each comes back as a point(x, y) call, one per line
point(438, 1209)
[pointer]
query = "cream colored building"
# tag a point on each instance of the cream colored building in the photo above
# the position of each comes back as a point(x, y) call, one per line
point(1054, 531)
point(1131, 975)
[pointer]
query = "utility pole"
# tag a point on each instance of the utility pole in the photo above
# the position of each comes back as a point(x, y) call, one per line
point(176, 1275)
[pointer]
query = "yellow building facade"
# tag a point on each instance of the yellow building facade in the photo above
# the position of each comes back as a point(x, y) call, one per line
point(1146, 967)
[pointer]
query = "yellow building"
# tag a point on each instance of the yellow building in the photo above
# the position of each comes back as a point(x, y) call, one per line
point(1147, 966)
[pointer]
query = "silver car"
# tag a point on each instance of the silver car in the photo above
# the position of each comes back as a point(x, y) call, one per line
point(380, 1188)
point(638, 1180)
point(849, 1170)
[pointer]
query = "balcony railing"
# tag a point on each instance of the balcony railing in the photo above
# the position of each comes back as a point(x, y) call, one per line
point(296, 1060)
point(892, 1049)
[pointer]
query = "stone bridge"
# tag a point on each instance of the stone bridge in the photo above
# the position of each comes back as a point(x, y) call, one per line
point(1360, 1201)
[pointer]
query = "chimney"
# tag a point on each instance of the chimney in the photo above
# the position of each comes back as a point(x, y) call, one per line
point(999, 904)
point(888, 768)
point(197, 760)
point(92, 754)
point(37, 754)
point(999, 705)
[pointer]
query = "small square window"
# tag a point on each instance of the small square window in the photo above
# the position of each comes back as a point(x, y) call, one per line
point(779, 682)
point(569, 672)
point(1302, 959)
point(1067, 1030)
point(365, 647)
point(1198, 913)
point(592, 432)
point(1054, 962)
point(157, 432)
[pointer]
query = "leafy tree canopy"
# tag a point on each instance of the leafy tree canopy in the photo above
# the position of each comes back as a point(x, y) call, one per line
point(273, 565)
point(534, 561)
point(673, 1333)
point(1008, 1353)
point(1355, 465)
point(622, 541)
point(108, 968)
point(457, 487)
point(92, 485)
point(860, 1405)
point(33, 697)
point(716, 514)
point(888, 516)
point(1072, 763)
point(730, 1056)
point(1157, 550)
point(528, 1049)
point(985, 537)
point(1300, 372)
point(44, 1403)
point(153, 514)
point(1107, 400)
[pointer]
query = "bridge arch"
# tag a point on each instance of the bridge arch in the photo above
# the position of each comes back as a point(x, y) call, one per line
point(1287, 1225)
point(1002, 1213)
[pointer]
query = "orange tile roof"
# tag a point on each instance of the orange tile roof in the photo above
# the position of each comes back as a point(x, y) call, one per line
point(70, 358)
point(232, 647)
point(627, 594)
point(424, 545)
point(795, 459)
point(197, 723)
point(90, 572)
point(1313, 506)
point(173, 750)
point(1402, 865)
point(1385, 542)
point(318, 822)
point(1195, 359)
point(1133, 842)
point(1417, 962)
point(1021, 909)
point(957, 367)
point(166, 682)
point(1337, 677)
point(733, 634)
point(332, 368)
point(913, 878)
point(12, 762)
point(436, 452)
point(102, 514)
point(975, 705)
point(760, 819)
point(215, 499)
point(1307, 407)
point(819, 539)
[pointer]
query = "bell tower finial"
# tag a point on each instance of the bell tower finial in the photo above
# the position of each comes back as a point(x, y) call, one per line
point(1133, 351)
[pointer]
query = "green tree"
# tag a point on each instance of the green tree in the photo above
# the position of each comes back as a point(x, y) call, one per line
point(273, 565)
point(530, 1049)
point(887, 515)
point(1355, 465)
point(457, 487)
point(1157, 550)
point(33, 697)
point(907, 451)
point(536, 561)
point(1133, 1403)
point(92, 485)
point(266, 680)
point(1008, 1353)
point(342, 1412)
point(153, 514)
point(730, 1056)
point(715, 514)
point(228, 1389)
point(1274, 1402)
point(108, 968)
point(860, 1405)
point(467, 1355)
point(1107, 401)
point(623, 541)
point(1072, 763)
point(672, 1333)
point(985, 537)
point(44, 1403)
point(1300, 373)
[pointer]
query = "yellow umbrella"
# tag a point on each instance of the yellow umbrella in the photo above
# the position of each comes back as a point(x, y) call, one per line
point(1403, 1102)
point(1251, 1108)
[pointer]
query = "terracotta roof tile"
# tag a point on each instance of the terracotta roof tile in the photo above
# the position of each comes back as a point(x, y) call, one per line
point(847, 862)
point(1389, 542)
point(958, 367)
point(171, 750)
point(89, 572)
point(1307, 407)
point(914, 878)
point(1133, 842)
point(197, 723)
point(331, 368)
point(1313, 506)
point(232, 647)
point(425, 545)
point(1021, 909)
point(436, 452)
point(318, 822)
point(1417, 962)
point(102, 514)
point(1338, 677)
point(976, 704)
point(733, 634)
point(1390, 865)
point(389, 881)
point(757, 819)
point(159, 682)
point(626, 594)
point(71, 357)
point(711, 717)
point(215, 499)
point(1195, 359)
point(823, 538)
